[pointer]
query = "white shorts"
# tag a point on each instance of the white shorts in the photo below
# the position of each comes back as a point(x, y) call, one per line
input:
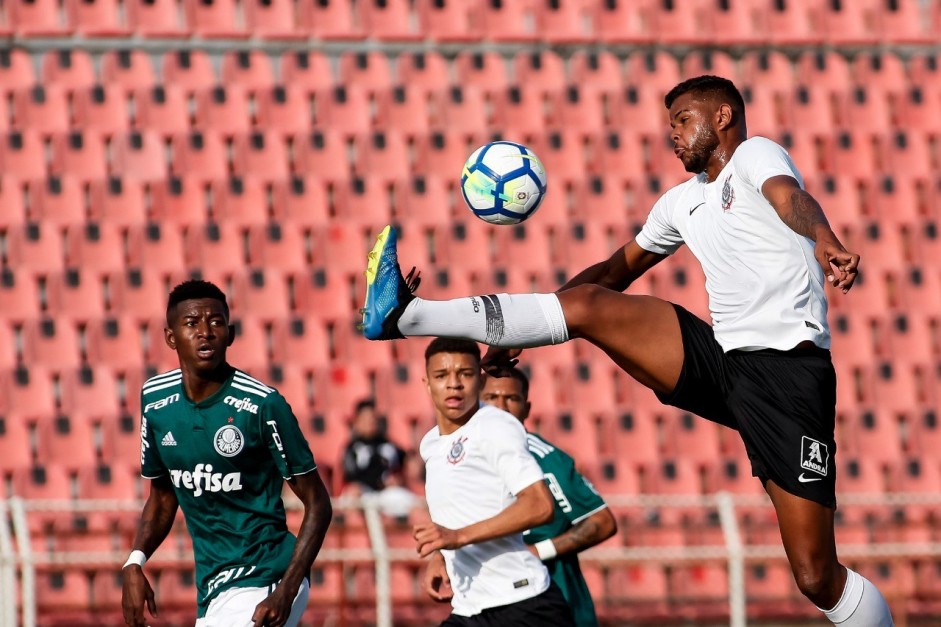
point(234, 607)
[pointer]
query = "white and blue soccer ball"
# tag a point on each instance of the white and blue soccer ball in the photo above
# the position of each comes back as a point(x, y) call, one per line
point(503, 182)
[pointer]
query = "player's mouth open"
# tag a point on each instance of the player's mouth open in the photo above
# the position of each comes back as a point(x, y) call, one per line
point(205, 351)
point(679, 151)
point(454, 401)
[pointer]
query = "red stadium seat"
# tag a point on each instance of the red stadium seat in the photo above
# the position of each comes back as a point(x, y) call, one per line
point(12, 203)
point(250, 348)
point(64, 591)
point(128, 69)
point(41, 18)
point(369, 71)
point(33, 248)
point(577, 108)
point(525, 247)
point(155, 18)
point(811, 110)
point(300, 202)
point(789, 23)
point(484, 70)
point(16, 69)
point(639, 584)
point(768, 67)
point(875, 436)
point(441, 153)
point(273, 19)
point(161, 109)
point(79, 156)
point(15, 449)
point(880, 72)
point(902, 22)
point(218, 247)
point(341, 387)
point(865, 104)
point(156, 247)
point(622, 21)
point(240, 201)
point(251, 70)
point(504, 21)
point(682, 24)
point(308, 70)
point(189, 70)
point(101, 109)
point(827, 71)
point(343, 109)
point(20, 293)
point(915, 106)
point(445, 20)
point(262, 155)
point(518, 113)
point(51, 343)
point(224, 109)
point(329, 19)
point(57, 202)
point(177, 588)
point(462, 110)
point(261, 294)
point(326, 296)
point(76, 295)
point(283, 109)
point(323, 154)
point(68, 442)
point(381, 155)
point(30, 394)
point(423, 71)
point(387, 20)
point(41, 109)
point(213, 19)
point(709, 62)
point(422, 201)
point(138, 156)
point(22, 156)
point(364, 201)
point(117, 342)
point(180, 202)
point(68, 69)
point(95, 18)
point(562, 21)
point(691, 438)
point(404, 110)
point(95, 247)
point(300, 342)
point(201, 155)
point(599, 70)
point(847, 23)
point(117, 202)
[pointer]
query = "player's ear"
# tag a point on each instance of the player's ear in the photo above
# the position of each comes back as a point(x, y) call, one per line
point(526, 411)
point(231, 335)
point(724, 116)
point(169, 338)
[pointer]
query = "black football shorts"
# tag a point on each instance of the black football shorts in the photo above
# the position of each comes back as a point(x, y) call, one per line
point(783, 403)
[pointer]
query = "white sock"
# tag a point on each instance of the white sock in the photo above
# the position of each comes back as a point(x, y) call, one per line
point(861, 605)
point(504, 320)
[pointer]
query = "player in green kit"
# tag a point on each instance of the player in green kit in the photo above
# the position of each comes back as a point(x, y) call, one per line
point(582, 518)
point(220, 445)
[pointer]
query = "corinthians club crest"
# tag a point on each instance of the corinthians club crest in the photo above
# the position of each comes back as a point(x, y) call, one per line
point(456, 454)
point(228, 441)
point(728, 194)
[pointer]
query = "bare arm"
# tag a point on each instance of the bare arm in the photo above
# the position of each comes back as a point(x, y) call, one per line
point(533, 507)
point(803, 214)
point(309, 488)
point(617, 272)
point(155, 523)
point(587, 533)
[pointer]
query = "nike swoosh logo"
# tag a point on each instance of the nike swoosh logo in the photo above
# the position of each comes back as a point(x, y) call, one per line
point(804, 479)
point(696, 207)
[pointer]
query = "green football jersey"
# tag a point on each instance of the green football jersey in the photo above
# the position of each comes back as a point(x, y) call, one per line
point(575, 500)
point(227, 458)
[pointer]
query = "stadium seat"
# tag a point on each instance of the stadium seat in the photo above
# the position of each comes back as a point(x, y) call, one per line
point(686, 23)
point(117, 202)
point(369, 71)
point(273, 20)
point(177, 587)
point(917, 475)
point(484, 70)
point(810, 110)
point(190, 70)
point(334, 244)
point(329, 19)
point(880, 72)
point(179, 202)
point(764, 104)
point(76, 295)
point(387, 20)
point(462, 110)
point(100, 109)
point(284, 109)
point(563, 21)
point(422, 201)
point(381, 156)
point(36, 18)
point(363, 201)
point(201, 155)
point(162, 109)
point(827, 70)
point(251, 70)
point(117, 341)
point(300, 202)
point(875, 436)
point(240, 201)
point(68, 69)
point(864, 105)
point(691, 438)
point(544, 71)
point(518, 113)
point(504, 21)
point(216, 247)
point(423, 72)
point(138, 156)
point(398, 385)
point(128, 69)
point(300, 341)
point(15, 451)
point(20, 293)
point(57, 202)
point(403, 109)
point(599, 70)
point(16, 69)
point(12, 203)
point(578, 108)
point(22, 156)
point(42, 109)
point(156, 247)
point(630, 105)
point(853, 154)
point(716, 63)
point(441, 154)
point(262, 155)
point(767, 67)
point(526, 247)
point(328, 296)
point(79, 157)
point(213, 19)
point(66, 441)
point(120, 438)
point(95, 18)
point(901, 22)
point(95, 247)
point(63, 591)
point(445, 21)
point(310, 71)
point(107, 588)
point(223, 109)
point(50, 343)
point(35, 249)
point(321, 153)
point(339, 387)
point(847, 23)
point(914, 107)
point(343, 109)
point(30, 394)
point(250, 348)
point(789, 23)
point(261, 294)
point(155, 18)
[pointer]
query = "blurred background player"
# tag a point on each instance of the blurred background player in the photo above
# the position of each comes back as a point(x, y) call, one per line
point(763, 368)
point(220, 444)
point(483, 490)
point(582, 518)
point(373, 465)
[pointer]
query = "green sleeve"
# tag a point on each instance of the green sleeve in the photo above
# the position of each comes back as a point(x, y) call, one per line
point(151, 466)
point(287, 443)
point(575, 495)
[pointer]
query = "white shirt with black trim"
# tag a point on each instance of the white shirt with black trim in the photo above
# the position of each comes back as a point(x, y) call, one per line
point(765, 287)
point(471, 475)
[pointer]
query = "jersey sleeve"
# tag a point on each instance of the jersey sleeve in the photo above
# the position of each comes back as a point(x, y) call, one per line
point(151, 466)
point(576, 496)
point(759, 159)
point(286, 441)
point(659, 234)
point(508, 451)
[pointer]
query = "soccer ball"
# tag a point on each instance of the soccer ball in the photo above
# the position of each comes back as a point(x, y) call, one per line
point(503, 182)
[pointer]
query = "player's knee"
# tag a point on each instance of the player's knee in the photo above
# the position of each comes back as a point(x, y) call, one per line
point(578, 304)
point(816, 580)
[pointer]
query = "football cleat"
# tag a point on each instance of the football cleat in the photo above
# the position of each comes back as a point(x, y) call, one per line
point(387, 291)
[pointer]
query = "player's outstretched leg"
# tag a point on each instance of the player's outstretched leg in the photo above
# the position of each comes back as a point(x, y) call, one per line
point(846, 598)
point(640, 333)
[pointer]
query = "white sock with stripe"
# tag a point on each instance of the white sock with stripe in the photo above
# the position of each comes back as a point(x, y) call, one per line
point(861, 605)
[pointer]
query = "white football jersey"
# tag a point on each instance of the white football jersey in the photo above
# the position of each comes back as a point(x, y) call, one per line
point(765, 287)
point(471, 475)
